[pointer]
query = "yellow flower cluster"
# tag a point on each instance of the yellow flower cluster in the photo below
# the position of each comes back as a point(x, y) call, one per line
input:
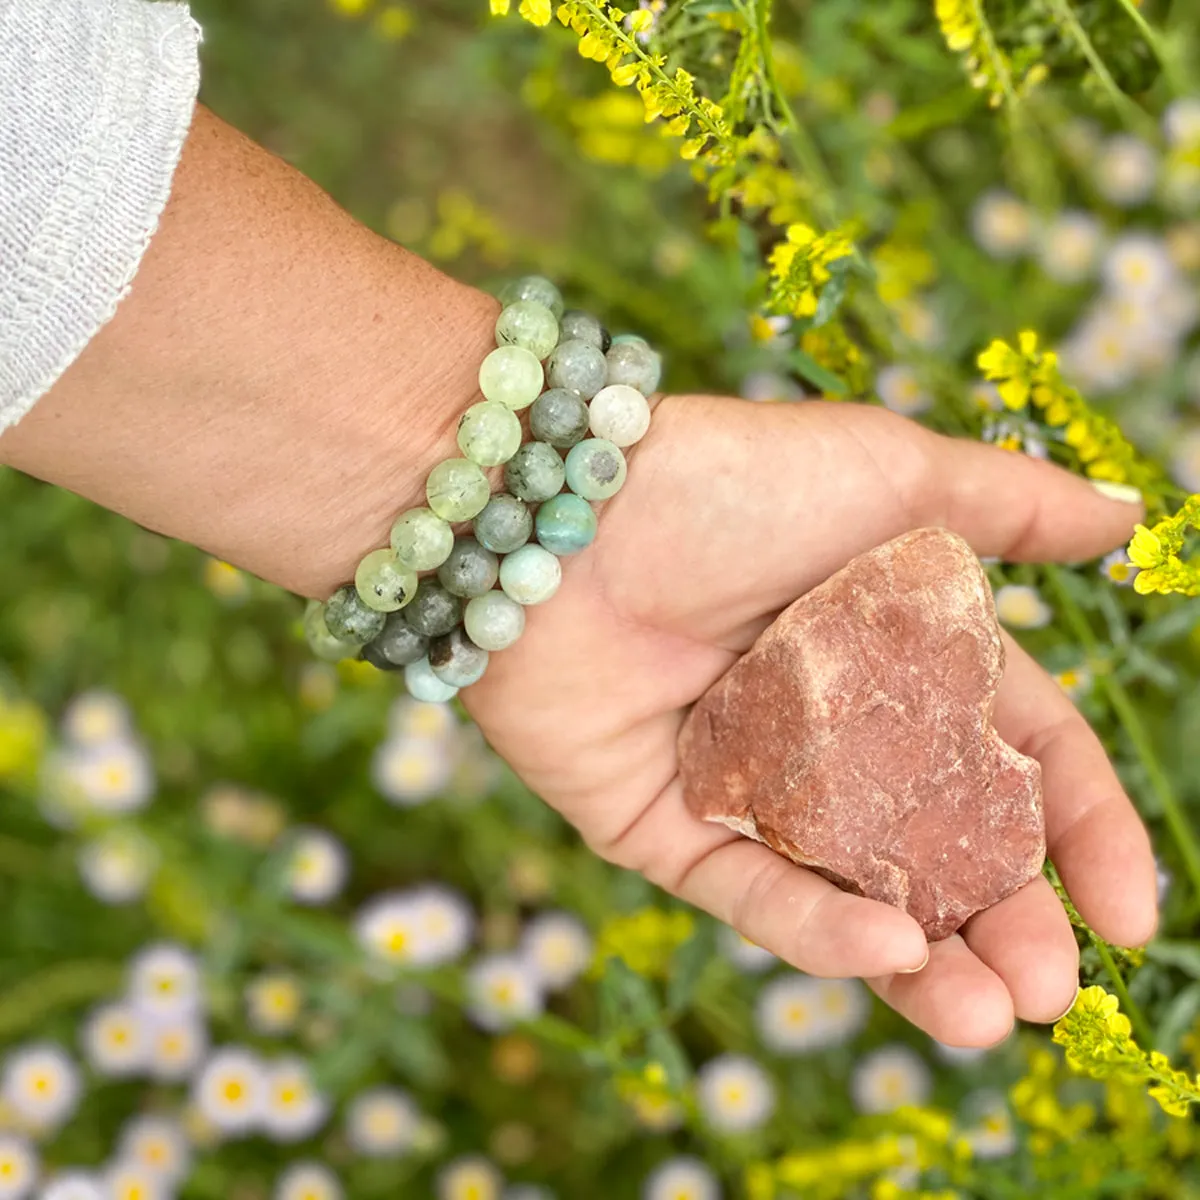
point(1156, 553)
point(800, 268)
point(23, 734)
point(536, 12)
point(1035, 1100)
point(902, 268)
point(1026, 375)
point(966, 32)
point(833, 348)
point(644, 940)
point(610, 129)
point(1098, 1041)
point(462, 224)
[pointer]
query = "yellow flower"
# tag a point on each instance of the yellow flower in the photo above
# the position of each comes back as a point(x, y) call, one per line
point(801, 267)
point(499, 7)
point(1156, 552)
point(644, 940)
point(23, 734)
point(536, 12)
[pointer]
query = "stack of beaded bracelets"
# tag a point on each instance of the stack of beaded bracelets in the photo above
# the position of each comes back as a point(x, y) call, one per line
point(441, 628)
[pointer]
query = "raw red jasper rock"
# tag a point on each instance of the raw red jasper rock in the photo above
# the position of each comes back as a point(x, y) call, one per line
point(856, 739)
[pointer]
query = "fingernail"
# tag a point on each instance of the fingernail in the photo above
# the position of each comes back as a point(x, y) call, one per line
point(913, 970)
point(1068, 1009)
point(1117, 491)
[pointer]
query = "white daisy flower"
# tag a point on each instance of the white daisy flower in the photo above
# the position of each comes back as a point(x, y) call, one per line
point(129, 1181)
point(164, 981)
point(1020, 437)
point(389, 928)
point(1126, 171)
point(159, 1146)
point(409, 718)
point(844, 1006)
point(889, 1078)
point(1101, 353)
point(502, 990)
point(959, 1056)
point(18, 1167)
point(1021, 607)
point(1002, 225)
point(986, 397)
point(317, 866)
point(73, 1185)
point(293, 1109)
point(1181, 121)
point(735, 1093)
point(175, 1047)
point(110, 779)
point(1069, 246)
point(273, 1003)
point(900, 390)
point(115, 1041)
point(681, 1178)
point(410, 770)
point(471, 1177)
point(96, 717)
point(117, 866)
point(1185, 462)
point(770, 387)
point(921, 325)
point(230, 1092)
point(991, 1133)
point(445, 921)
point(1138, 266)
point(41, 1085)
point(748, 957)
point(308, 1181)
point(1117, 568)
point(559, 946)
point(790, 1016)
point(382, 1122)
point(1075, 681)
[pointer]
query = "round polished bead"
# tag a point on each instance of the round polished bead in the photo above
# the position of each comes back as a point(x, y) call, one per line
point(349, 619)
point(421, 539)
point(621, 339)
point(494, 621)
point(596, 469)
point(457, 489)
point(566, 524)
point(505, 525)
point(535, 472)
point(511, 375)
point(559, 417)
point(424, 685)
point(456, 660)
point(530, 575)
point(635, 364)
point(583, 327)
point(527, 324)
point(384, 583)
point(470, 570)
point(320, 641)
point(578, 367)
point(434, 611)
point(620, 414)
point(399, 643)
point(535, 288)
point(489, 433)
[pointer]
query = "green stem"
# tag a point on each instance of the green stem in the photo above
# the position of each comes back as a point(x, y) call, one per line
point(1154, 41)
point(1141, 1027)
point(996, 59)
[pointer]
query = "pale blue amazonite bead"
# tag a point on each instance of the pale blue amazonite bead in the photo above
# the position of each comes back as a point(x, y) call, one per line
point(457, 489)
point(384, 583)
point(470, 570)
point(399, 644)
point(494, 621)
point(635, 364)
point(320, 641)
point(505, 525)
point(620, 339)
point(530, 575)
point(578, 367)
point(596, 469)
point(528, 324)
point(535, 472)
point(489, 433)
point(421, 539)
point(566, 524)
point(511, 375)
point(424, 685)
point(559, 417)
point(349, 619)
point(535, 288)
point(456, 660)
point(620, 414)
point(583, 326)
point(434, 610)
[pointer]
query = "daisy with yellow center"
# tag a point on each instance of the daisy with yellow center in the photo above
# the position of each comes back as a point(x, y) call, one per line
point(273, 1003)
point(1022, 607)
point(231, 1090)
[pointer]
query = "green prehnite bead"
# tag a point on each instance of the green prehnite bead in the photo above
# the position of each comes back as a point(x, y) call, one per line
point(434, 611)
point(527, 324)
point(424, 685)
point(320, 641)
point(489, 433)
point(635, 364)
point(421, 539)
point(494, 621)
point(530, 575)
point(456, 660)
point(384, 583)
point(349, 619)
point(584, 327)
point(566, 524)
point(470, 570)
point(512, 376)
point(596, 469)
point(559, 417)
point(535, 472)
point(535, 288)
point(457, 489)
point(504, 526)
point(398, 644)
point(578, 367)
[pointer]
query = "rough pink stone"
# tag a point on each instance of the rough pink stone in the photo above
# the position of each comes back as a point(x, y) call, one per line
point(855, 738)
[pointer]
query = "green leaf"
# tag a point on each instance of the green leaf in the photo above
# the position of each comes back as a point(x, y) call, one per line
point(1183, 956)
point(1180, 1016)
point(703, 8)
point(627, 1000)
point(663, 1047)
point(414, 1051)
point(688, 965)
point(833, 293)
point(820, 377)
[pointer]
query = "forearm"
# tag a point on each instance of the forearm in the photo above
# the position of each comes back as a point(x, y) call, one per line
point(278, 382)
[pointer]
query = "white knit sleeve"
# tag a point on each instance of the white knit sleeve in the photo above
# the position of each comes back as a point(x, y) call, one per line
point(96, 97)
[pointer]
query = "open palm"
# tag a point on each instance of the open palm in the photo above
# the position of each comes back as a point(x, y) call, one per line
point(732, 511)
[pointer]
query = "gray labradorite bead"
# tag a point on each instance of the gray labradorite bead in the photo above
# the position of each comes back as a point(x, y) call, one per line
point(493, 621)
point(578, 367)
point(399, 643)
point(320, 641)
point(559, 417)
point(456, 660)
point(535, 288)
point(535, 472)
point(349, 619)
point(596, 469)
point(635, 364)
point(505, 525)
point(434, 611)
point(424, 685)
point(470, 570)
point(582, 326)
point(566, 524)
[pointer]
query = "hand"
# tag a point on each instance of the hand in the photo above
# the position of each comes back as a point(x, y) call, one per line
point(733, 510)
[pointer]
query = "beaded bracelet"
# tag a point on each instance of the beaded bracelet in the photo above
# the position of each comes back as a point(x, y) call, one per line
point(440, 628)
